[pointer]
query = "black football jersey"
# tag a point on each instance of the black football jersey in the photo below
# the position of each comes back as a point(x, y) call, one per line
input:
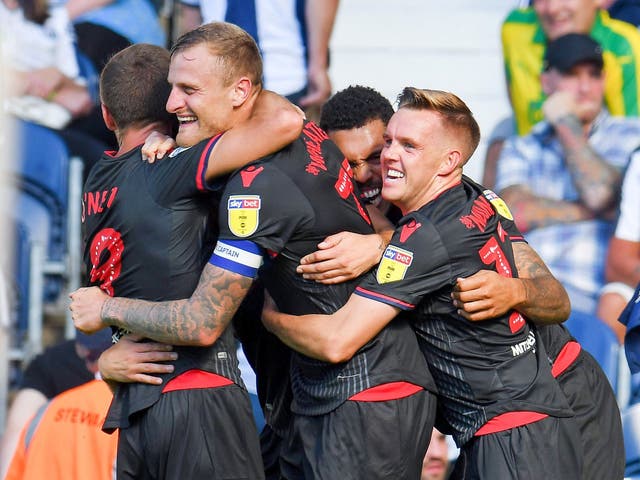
point(285, 205)
point(148, 231)
point(481, 369)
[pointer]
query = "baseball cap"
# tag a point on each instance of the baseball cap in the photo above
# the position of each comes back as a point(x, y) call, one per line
point(96, 343)
point(569, 50)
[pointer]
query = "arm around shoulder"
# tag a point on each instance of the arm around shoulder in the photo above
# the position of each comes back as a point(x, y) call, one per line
point(274, 123)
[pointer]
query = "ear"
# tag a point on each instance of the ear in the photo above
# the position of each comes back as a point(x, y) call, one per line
point(241, 91)
point(108, 119)
point(452, 161)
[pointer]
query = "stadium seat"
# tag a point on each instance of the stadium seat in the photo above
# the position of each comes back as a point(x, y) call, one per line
point(89, 72)
point(43, 178)
point(599, 340)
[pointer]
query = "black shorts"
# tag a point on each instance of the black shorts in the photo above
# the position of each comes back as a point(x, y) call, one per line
point(543, 450)
point(282, 457)
point(206, 433)
point(592, 399)
point(368, 440)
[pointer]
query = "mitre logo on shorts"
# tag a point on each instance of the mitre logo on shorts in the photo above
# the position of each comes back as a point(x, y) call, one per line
point(498, 204)
point(244, 214)
point(394, 264)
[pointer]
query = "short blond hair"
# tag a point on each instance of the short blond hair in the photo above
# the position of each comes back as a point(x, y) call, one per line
point(454, 112)
point(237, 50)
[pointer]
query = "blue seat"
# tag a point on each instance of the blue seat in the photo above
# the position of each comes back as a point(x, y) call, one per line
point(42, 177)
point(598, 339)
point(41, 180)
point(91, 75)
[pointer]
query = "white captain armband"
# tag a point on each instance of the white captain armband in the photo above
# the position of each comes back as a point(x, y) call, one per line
point(238, 256)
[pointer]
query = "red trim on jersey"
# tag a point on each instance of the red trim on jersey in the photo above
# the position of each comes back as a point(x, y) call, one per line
point(386, 391)
point(196, 379)
point(517, 238)
point(565, 358)
point(509, 420)
point(366, 292)
point(203, 162)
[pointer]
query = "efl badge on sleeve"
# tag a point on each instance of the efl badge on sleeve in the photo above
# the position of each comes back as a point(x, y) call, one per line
point(498, 204)
point(244, 214)
point(394, 264)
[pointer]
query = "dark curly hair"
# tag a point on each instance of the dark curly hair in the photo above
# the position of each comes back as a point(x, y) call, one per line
point(353, 107)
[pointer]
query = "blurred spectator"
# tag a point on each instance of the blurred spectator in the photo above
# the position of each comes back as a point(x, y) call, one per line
point(562, 181)
point(293, 36)
point(64, 441)
point(436, 460)
point(355, 119)
point(45, 82)
point(525, 34)
point(57, 369)
point(104, 27)
point(625, 10)
point(623, 258)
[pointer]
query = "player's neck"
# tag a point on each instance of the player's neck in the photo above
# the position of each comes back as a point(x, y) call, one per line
point(135, 136)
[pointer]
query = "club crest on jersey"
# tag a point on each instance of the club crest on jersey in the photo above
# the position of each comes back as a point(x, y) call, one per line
point(498, 204)
point(394, 264)
point(244, 214)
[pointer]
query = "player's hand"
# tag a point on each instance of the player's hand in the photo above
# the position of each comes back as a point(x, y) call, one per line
point(156, 146)
point(559, 105)
point(483, 295)
point(343, 256)
point(131, 360)
point(270, 312)
point(86, 305)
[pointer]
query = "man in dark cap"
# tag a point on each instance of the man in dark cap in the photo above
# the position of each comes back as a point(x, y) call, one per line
point(562, 181)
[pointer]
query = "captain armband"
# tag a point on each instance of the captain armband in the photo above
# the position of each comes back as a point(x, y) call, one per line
point(239, 256)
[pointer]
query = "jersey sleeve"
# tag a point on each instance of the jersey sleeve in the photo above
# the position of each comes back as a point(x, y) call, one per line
point(414, 265)
point(182, 174)
point(507, 223)
point(261, 209)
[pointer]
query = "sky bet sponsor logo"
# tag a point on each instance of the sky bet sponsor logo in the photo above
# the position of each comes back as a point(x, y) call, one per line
point(524, 346)
point(253, 202)
point(243, 213)
point(401, 256)
point(394, 264)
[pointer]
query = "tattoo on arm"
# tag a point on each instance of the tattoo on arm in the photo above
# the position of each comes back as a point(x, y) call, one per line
point(198, 320)
point(597, 182)
point(531, 211)
point(546, 300)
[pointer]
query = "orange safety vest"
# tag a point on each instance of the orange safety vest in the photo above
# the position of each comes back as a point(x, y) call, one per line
point(65, 441)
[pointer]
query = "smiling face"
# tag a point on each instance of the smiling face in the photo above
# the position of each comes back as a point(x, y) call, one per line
point(559, 17)
point(362, 147)
point(199, 97)
point(416, 154)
